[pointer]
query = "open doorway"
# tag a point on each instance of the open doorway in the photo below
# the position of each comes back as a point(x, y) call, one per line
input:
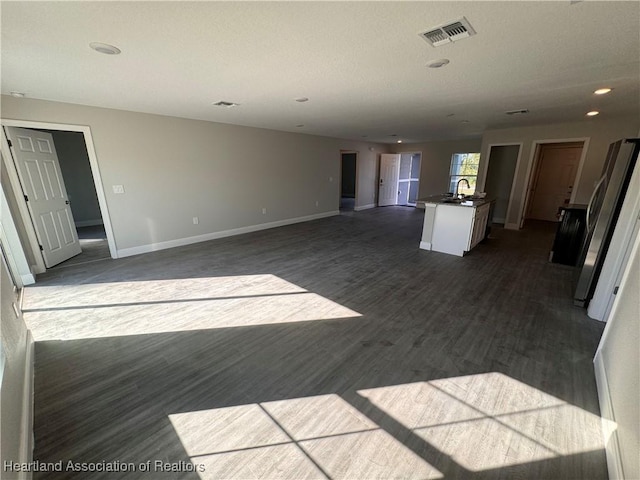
point(349, 161)
point(499, 181)
point(80, 174)
point(78, 178)
point(551, 184)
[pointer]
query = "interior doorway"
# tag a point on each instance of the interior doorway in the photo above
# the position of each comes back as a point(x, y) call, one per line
point(349, 168)
point(552, 181)
point(81, 172)
point(76, 172)
point(503, 160)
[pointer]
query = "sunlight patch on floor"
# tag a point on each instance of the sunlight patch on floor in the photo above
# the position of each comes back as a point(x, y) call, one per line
point(158, 306)
point(311, 437)
point(489, 420)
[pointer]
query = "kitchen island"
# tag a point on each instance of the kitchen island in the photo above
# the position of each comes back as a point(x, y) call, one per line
point(454, 226)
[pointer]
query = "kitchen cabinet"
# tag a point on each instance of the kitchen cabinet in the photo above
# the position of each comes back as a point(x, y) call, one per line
point(454, 228)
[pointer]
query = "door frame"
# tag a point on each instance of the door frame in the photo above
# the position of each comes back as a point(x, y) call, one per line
point(485, 172)
point(355, 198)
point(23, 212)
point(534, 157)
point(412, 153)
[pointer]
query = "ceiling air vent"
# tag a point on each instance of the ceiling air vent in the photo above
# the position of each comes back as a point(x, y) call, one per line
point(448, 32)
point(225, 104)
point(521, 111)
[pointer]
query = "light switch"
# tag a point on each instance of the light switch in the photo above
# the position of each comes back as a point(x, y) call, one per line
point(118, 188)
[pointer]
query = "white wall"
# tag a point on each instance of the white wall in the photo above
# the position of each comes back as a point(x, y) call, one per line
point(600, 131)
point(174, 169)
point(16, 374)
point(436, 162)
point(617, 361)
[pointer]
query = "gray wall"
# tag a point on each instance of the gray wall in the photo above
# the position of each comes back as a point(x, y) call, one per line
point(13, 404)
point(436, 161)
point(78, 179)
point(502, 166)
point(174, 169)
point(600, 132)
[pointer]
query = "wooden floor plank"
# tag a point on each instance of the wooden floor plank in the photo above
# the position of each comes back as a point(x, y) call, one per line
point(360, 355)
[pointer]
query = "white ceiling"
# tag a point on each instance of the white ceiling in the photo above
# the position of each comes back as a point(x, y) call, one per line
point(361, 64)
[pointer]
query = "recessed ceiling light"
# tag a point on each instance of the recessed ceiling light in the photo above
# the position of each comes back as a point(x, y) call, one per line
point(104, 48)
point(299, 126)
point(464, 121)
point(301, 99)
point(438, 63)
point(592, 113)
point(602, 91)
point(451, 115)
point(17, 94)
point(399, 141)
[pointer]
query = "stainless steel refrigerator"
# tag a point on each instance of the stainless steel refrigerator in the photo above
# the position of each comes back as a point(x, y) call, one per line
point(602, 214)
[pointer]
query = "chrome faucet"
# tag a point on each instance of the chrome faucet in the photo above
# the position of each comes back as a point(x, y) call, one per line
point(458, 186)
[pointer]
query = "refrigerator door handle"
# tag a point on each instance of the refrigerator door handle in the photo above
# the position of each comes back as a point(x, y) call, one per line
point(591, 200)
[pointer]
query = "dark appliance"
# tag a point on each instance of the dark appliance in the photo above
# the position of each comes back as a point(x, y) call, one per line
point(602, 214)
point(572, 223)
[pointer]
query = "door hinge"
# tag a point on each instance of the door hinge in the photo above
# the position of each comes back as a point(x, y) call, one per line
point(41, 249)
point(10, 143)
point(615, 290)
point(26, 199)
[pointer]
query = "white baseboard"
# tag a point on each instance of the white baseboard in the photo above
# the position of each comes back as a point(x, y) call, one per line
point(425, 245)
point(512, 226)
point(28, 279)
point(26, 430)
point(364, 207)
point(498, 220)
point(152, 247)
point(89, 223)
point(612, 447)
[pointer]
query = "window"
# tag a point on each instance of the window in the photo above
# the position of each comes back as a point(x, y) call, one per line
point(464, 165)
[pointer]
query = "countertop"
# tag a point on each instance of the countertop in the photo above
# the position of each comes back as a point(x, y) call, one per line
point(446, 200)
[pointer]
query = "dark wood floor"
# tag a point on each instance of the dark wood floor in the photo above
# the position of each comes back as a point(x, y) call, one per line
point(329, 349)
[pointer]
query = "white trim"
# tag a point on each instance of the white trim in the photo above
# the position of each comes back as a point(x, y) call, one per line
point(364, 207)
point(609, 427)
point(152, 247)
point(89, 223)
point(17, 262)
point(95, 171)
point(425, 245)
point(533, 158)
point(512, 226)
point(499, 220)
point(26, 430)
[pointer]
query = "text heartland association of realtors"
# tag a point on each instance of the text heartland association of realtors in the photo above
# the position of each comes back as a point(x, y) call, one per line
point(71, 466)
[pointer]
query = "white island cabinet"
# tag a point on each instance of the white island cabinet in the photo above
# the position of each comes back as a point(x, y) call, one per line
point(454, 228)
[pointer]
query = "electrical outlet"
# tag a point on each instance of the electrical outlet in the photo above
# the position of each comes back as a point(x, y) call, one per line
point(118, 188)
point(264, 211)
point(317, 203)
point(196, 220)
point(330, 179)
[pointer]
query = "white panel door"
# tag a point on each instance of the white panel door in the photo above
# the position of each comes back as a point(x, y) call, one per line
point(42, 183)
point(389, 176)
